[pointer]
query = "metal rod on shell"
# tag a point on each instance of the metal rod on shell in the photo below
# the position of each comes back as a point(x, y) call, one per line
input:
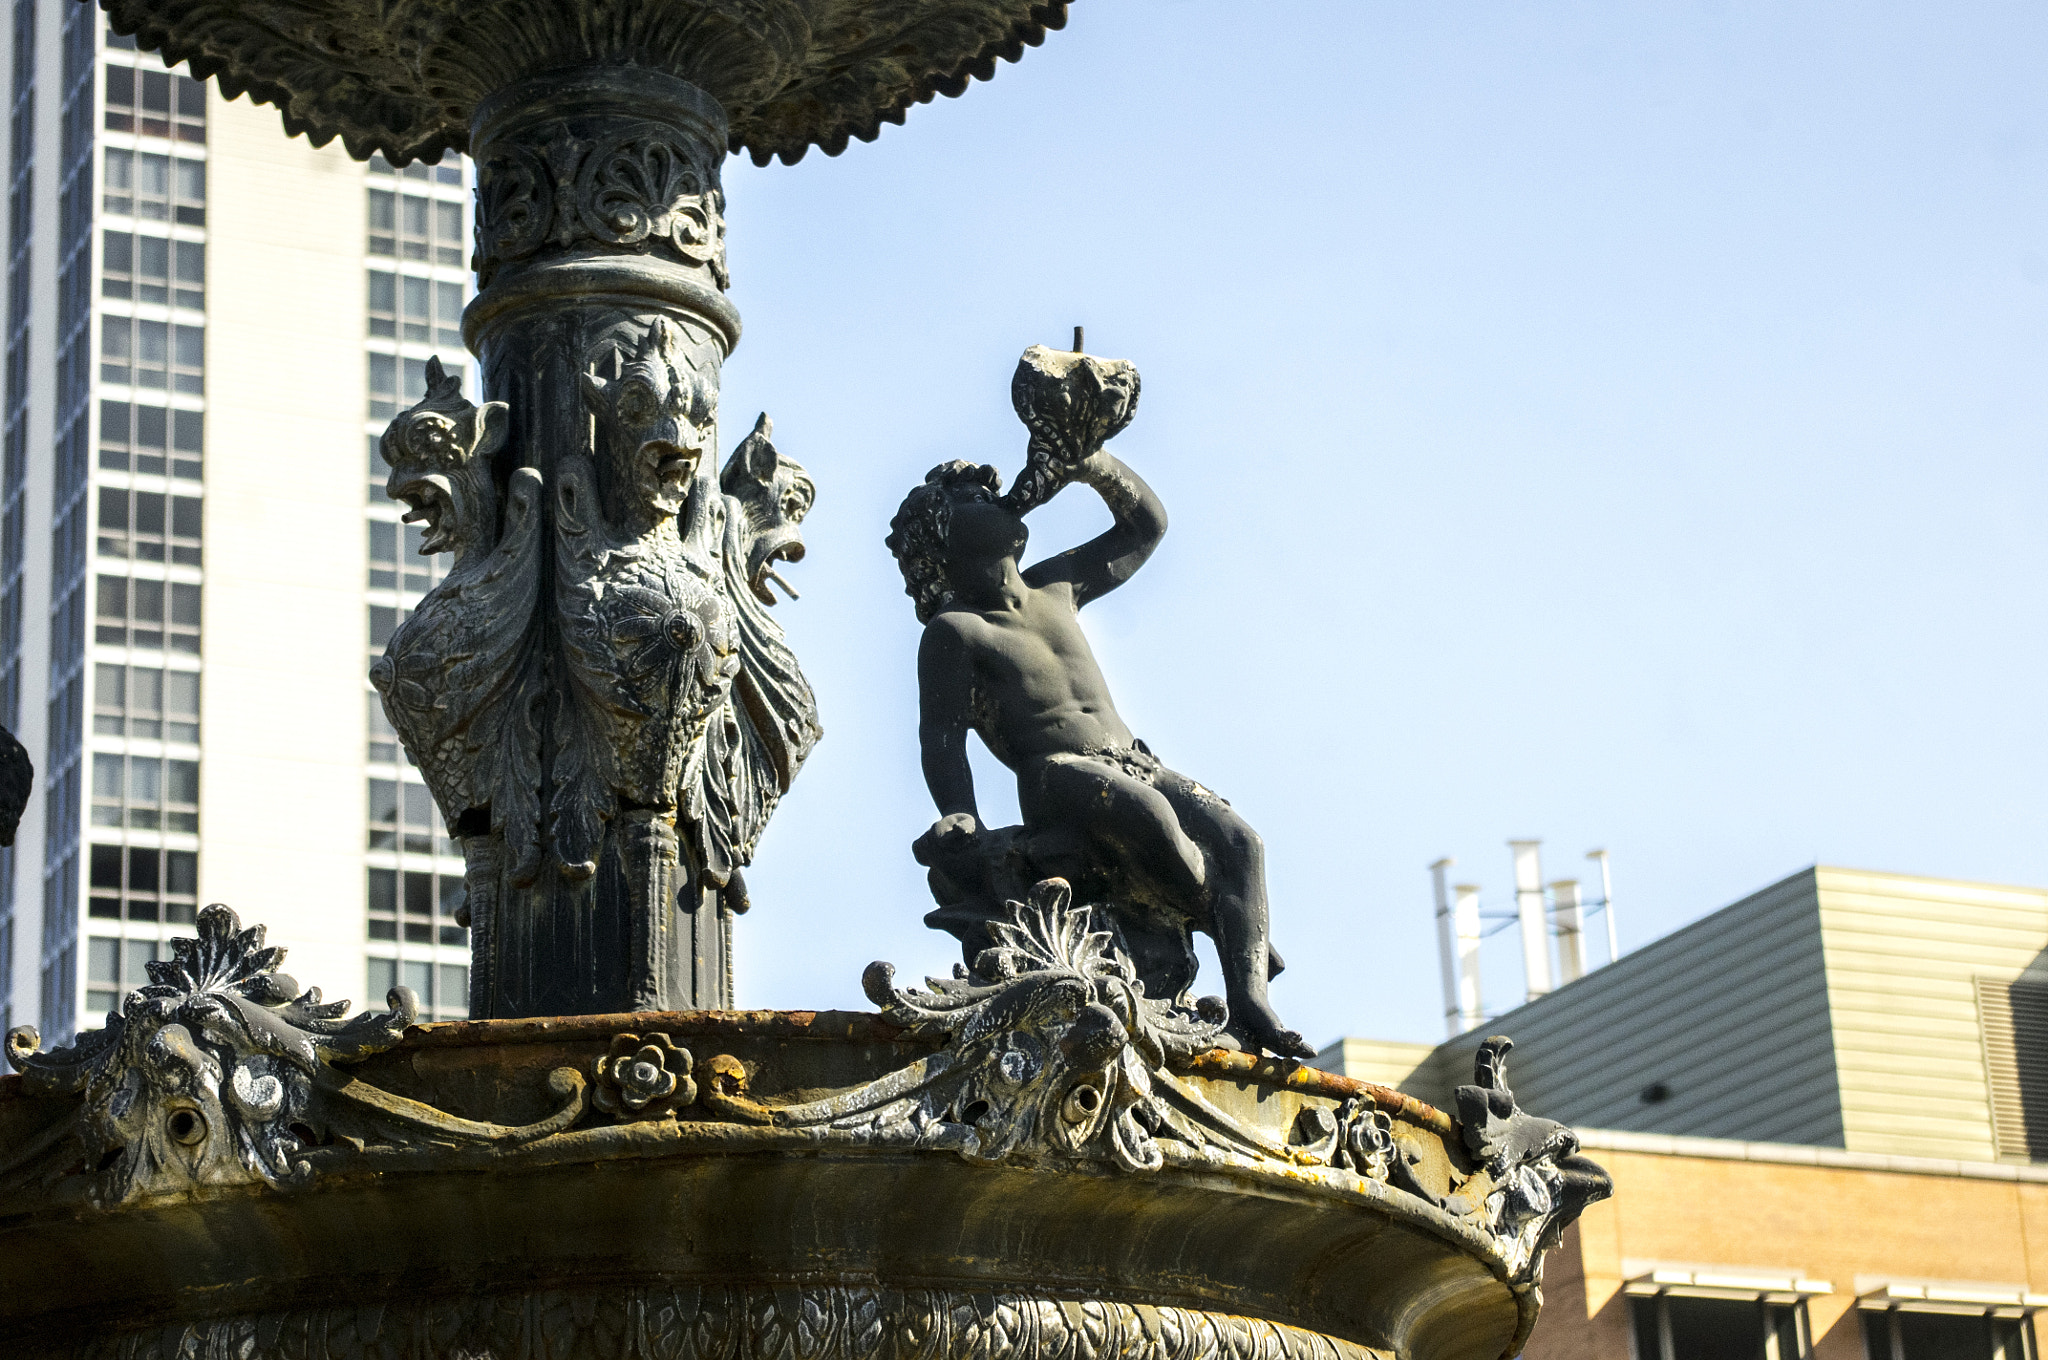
point(1078, 346)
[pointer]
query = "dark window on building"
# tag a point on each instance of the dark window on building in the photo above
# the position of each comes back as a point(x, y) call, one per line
point(442, 989)
point(146, 613)
point(155, 187)
point(423, 311)
point(113, 968)
point(143, 701)
point(158, 354)
point(415, 227)
point(150, 526)
point(153, 269)
point(1909, 1334)
point(1672, 1327)
point(154, 103)
point(403, 816)
point(439, 174)
point(146, 793)
point(418, 908)
point(395, 561)
point(135, 438)
point(397, 383)
point(144, 883)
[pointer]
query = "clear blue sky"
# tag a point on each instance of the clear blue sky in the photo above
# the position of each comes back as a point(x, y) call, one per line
point(1616, 424)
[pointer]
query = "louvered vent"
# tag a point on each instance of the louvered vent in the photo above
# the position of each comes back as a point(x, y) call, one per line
point(2014, 1019)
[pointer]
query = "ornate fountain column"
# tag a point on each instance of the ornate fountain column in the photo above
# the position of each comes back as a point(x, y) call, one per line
point(602, 323)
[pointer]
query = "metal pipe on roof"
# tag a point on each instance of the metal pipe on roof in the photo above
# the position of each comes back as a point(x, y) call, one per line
point(1571, 933)
point(1529, 908)
point(1599, 857)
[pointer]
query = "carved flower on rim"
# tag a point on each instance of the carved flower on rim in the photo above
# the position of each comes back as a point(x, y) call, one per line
point(643, 1076)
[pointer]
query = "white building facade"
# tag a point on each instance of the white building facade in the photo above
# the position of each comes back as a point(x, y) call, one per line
point(208, 325)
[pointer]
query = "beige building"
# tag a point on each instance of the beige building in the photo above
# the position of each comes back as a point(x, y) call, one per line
point(1826, 1111)
point(208, 324)
point(1877, 1013)
point(1714, 1248)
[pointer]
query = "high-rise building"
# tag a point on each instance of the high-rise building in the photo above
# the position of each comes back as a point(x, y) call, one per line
point(208, 324)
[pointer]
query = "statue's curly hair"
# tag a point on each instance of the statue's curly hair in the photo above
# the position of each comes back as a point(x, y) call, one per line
point(917, 535)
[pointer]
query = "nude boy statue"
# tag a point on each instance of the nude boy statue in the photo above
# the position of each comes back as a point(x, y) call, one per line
point(1004, 656)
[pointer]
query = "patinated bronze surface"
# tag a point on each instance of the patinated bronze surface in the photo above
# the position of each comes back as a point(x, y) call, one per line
point(1004, 657)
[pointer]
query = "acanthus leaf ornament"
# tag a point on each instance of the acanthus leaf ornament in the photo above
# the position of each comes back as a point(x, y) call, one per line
point(205, 1075)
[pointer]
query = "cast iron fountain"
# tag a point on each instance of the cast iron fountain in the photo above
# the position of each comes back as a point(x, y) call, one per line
point(1056, 1152)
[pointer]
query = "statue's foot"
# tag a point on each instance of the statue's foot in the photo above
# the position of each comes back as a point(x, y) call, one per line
point(1260, 1024)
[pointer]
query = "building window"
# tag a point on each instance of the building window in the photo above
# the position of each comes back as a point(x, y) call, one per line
point(396, 382)
point(1680, 1327)
point(151, 525)
point(133, 614)
point(415, 227)
point(143, 701)
point(403, 816)
point(395, 560)
point(1911, 1334)
point(133, 438)
point(153, 269)
point(418, 908)
point(155, 187)
point(442, 989)
point(155, 103)
point(154, 354)
point(421, 311)
point(114, 968)
point(145, 793)
point(144, 883)
point(438, 174)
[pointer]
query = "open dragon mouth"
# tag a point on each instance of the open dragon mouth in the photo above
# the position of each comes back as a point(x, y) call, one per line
point(427, 504)
point(780, 545)
point(673, 464)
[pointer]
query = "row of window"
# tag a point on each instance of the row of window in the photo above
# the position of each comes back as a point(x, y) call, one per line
point(442, 989)
point(395, 561)
point(139, 437)
point(426, 902)
point(145, 793)
point(144, 883)
point(113, 968)
point(396, 383)
point(450, 173)
point(150, 525)
point(403, 817)
point(1676, 1327)
point(155, 103)
point(153, 269)
point(146, 613)
point(424, 311)
point(411, 227)
point(145, 701)
point(157, 187)
point(153, 354)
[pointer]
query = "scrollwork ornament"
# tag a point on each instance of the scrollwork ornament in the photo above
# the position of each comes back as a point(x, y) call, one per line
point(205, 1074)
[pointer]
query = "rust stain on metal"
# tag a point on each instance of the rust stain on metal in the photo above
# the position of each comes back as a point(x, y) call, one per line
point(1291, 1075)
point(842, 1026)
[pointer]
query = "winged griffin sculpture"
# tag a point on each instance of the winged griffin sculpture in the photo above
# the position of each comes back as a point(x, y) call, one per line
point(609, 725)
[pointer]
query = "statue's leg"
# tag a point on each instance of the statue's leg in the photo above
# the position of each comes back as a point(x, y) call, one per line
point(1118, 812)
point(1237, 910)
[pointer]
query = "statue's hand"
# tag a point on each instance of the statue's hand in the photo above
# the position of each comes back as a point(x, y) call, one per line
point(953, 828)
point(950, 835)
